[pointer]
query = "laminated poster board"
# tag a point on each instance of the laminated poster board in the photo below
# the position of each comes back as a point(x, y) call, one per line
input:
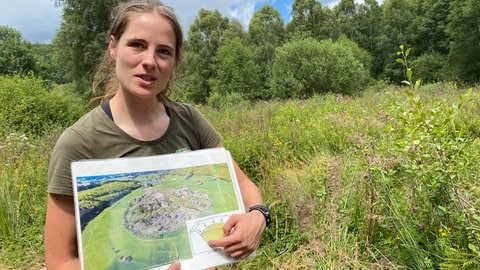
point(147, 212)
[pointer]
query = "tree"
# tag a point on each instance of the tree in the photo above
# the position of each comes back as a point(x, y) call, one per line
point(396, 22)
point(16, 56)
point(234, 31)
point(464, 31)
point(368, 23)
point(46, 68)
point(205, 36)
point(266, 27)
point(346, 13)
point(82, 38)
point(431, 33)
point(236, 72)
point(266, 32)
point(310, 19)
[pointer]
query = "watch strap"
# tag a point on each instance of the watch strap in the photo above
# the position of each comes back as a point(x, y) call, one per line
point(262, 209)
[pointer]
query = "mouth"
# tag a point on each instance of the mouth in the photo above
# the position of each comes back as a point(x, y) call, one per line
point(146, 77)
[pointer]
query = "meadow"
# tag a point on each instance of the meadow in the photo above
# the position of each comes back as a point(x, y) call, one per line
point(386, 179)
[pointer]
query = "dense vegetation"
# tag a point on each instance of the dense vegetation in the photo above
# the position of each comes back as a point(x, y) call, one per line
point(385, 179)
point(360, 172)
point(225, 61)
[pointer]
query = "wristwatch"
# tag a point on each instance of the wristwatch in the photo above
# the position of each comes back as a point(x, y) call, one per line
point(264, 210)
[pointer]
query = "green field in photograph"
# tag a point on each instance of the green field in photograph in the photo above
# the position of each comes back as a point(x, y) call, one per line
point(107, 244)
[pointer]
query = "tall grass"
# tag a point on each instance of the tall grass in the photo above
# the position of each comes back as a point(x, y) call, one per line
point(22, 199)
point(353, 182)
point(388, 210)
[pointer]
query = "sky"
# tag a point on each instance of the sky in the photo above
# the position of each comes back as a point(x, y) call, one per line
point(39, 20)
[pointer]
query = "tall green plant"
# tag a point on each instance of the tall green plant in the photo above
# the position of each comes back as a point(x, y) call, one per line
point(427, 193)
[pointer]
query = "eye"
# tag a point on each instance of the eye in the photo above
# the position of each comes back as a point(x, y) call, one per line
point(136, 45)
point(165, 52)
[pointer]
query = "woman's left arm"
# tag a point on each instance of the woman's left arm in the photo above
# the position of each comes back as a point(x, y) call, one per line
point(242, 232)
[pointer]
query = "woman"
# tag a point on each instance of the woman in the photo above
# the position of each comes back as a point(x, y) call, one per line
point(138, 119)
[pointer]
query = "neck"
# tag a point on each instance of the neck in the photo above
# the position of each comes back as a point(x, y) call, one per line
point(143, 119)
point(136, 109)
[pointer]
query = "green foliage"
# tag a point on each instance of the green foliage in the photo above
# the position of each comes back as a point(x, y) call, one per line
point(307, 67)
point(432, 25)
point(266, 27)
point(310, 20)
point(360, 54)
point(46, 67)
point(464, 32)
point(27, 107)
point(425, 190)
point(236, 72)
point(368, 28)
point(346, 13)
point(396, 28)
point(266, 32)
point(82, 38)
point(344, 191)
point(434, 168)
point(403, 55)
point(23, 177)
point(16, 55)
point(205, 36)
point(222, 101)
point(430, 67)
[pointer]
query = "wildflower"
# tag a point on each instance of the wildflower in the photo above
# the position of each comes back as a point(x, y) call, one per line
point(444, 232)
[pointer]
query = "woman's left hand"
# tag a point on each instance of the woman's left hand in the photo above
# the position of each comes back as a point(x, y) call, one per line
point(242, 233)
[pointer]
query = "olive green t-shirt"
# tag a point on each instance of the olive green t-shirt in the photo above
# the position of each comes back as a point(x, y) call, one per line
point(96, 136)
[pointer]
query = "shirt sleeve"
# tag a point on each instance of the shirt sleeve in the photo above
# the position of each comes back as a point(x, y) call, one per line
point(70, 147)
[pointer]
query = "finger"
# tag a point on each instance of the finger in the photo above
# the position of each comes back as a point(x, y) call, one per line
point(238, 254)
point(174, 266)
point(223, 242)
point(229, 225)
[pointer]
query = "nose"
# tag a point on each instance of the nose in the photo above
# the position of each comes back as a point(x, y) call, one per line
point(149, 60)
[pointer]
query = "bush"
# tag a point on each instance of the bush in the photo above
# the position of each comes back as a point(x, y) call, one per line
point(429, 67)
point(428, 192)
point(219, 101)
point(236, 71)
point(26, 106)
point(307, 67)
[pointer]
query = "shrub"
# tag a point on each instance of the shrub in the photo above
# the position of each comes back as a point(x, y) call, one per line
point(217, 100)
point(429, 67)
point(28, 107)
point(236, 71)
point(307, 67)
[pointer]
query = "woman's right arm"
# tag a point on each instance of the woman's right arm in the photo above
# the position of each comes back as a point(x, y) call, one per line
point(60, 234)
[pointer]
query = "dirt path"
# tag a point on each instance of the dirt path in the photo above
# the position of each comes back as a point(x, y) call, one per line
point(333, 185)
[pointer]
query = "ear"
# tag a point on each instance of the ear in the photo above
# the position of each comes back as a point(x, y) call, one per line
point(112, 47)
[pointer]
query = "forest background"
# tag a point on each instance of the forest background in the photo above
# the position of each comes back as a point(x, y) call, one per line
point(361, 170)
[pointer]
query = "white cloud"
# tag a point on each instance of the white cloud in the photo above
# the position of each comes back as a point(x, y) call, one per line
point(187, 10)
point(243, 12)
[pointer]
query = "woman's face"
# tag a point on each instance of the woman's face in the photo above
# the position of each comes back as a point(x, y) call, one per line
point(144, 55)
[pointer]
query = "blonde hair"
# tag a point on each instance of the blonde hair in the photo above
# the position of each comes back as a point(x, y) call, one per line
point(121, 17)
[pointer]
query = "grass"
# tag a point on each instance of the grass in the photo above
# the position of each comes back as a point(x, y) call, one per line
point(341, 197)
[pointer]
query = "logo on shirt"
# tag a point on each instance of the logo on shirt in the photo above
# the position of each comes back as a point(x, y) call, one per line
point(182, 150)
